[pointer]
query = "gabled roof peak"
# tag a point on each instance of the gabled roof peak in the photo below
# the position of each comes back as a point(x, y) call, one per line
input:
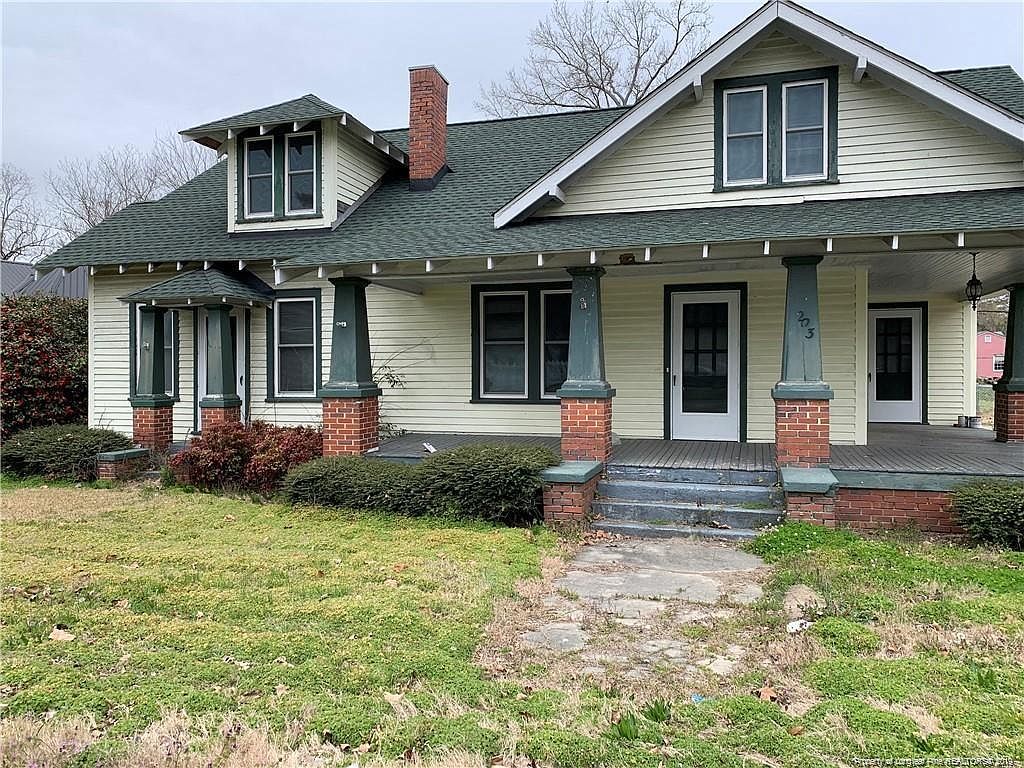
point(865, 56)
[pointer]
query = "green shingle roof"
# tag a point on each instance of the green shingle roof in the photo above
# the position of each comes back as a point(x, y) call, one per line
point(206, 285)
point(492, 162)
point(308, 107)
point(1000, 85)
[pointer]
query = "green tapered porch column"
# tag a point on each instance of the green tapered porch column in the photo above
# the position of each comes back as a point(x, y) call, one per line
point(585, 375)
point(1009, 390)
point(351, 373)
point(802, 418)
point(801, 341)
point(149, 384)
point(221, 389)
point(586, 412)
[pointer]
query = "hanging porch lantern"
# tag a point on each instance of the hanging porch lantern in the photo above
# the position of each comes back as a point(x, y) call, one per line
point(973, 291)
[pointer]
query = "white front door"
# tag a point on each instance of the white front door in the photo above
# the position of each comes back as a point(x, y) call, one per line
point(237, 341)
point(894, 365)
point(704, 373)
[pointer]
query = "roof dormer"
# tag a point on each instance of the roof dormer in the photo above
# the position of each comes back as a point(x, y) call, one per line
point(296, 165)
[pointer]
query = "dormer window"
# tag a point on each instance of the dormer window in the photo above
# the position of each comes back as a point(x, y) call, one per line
point(776, 130)
point(259, 177)
point(805, 121)
point(300, 173)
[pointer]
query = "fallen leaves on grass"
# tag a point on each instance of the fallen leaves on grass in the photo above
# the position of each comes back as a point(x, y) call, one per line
point(61, 635)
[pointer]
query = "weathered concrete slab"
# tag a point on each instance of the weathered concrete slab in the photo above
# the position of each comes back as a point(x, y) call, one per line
point(557, 636)
point(676, 555)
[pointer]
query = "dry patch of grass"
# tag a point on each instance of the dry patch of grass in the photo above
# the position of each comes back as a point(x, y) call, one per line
point(66, 503)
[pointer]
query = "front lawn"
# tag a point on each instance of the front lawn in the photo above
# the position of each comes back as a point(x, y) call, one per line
point(143, 626)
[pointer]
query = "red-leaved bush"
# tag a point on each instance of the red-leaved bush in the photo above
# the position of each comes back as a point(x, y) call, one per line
point(251, 457)
point(44, 366)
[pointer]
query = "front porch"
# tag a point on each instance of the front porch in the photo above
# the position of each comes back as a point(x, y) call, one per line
point(904, 449)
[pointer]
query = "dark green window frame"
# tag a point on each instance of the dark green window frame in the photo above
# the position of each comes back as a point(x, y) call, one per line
point(773, 85)
point(174, 316)
point(278, 136)
point(318, 353)
point(533, 293)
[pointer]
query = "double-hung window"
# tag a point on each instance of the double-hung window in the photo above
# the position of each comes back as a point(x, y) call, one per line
point(169, 351)
point(300, 173)
point(521, 340)
point(805, 125)
point(776, 130)
point(259, 177)
point(998, 363)
point(746, 137)
point(295, 347)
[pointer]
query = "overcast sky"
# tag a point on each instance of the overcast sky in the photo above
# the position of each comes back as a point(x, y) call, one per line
point(80, 77)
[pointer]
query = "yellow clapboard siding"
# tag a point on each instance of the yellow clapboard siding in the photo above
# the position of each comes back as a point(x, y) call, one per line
point(888, 143)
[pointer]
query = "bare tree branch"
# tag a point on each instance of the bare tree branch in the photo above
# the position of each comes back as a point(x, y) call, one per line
point(24, 235)
point(85, 191)
point(594, 56)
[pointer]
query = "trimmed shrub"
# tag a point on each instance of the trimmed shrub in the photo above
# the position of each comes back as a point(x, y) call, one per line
point(60, 451)
point(353, 482)
point(252, 457)
point(499, 483)
point(992, 511)
point(43, 369)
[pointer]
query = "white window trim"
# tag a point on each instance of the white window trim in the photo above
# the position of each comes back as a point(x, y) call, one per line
point(1001, 360)
point(289, 211)
point(170, 316)
point(278, 392)
point(824, 131)
point(245, 178)
point(526, 346)
point(543, 336)
point(726, 182)
point(988, 338)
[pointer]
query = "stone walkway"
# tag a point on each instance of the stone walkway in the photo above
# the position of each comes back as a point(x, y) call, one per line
point(637, 611)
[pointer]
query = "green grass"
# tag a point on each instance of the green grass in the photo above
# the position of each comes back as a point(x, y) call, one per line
point(218, 606)
point(986, 403)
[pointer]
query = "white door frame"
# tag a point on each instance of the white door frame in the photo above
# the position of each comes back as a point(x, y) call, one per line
point(898, 411)
point(704, 426)
point(241, 375)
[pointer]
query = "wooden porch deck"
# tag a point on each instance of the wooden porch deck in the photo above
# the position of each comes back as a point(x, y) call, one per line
point(891, 448)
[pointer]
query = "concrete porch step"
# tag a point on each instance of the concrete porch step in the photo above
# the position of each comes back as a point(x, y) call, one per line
point(714, 515)
point(680, 492)
point(652, 531)
point(684, 475)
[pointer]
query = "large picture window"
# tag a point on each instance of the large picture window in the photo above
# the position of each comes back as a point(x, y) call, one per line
point(259, 177)
point(776, 130)
point(521, 342)
point(300, 173)
point(295, 346)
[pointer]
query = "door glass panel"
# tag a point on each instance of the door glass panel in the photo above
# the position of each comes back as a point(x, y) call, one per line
point(705, 358)
point(894, 359)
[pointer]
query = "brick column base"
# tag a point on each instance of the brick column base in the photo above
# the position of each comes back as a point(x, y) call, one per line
point(1009, 417)
point(801, 433)
point(350, 425)
point(153, 428)
point(586, 429)
point(212, 417)
point(812, 508)
point(569, 502)
point(119, 470)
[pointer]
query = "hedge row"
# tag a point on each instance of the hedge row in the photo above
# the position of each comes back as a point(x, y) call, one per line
point(499, 483)
point(59, 452)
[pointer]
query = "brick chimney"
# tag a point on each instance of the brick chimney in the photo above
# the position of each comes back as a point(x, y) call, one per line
point(428, 126)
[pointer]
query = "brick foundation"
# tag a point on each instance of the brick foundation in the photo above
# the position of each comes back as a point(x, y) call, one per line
point(1009, 417)
point(569, 502)
point(350, 425)
point(586, 429)
point(876, 509)
point(812, 508)
point(125, 469)
point(211, 417)
point(153, 428)
point(801, 433)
